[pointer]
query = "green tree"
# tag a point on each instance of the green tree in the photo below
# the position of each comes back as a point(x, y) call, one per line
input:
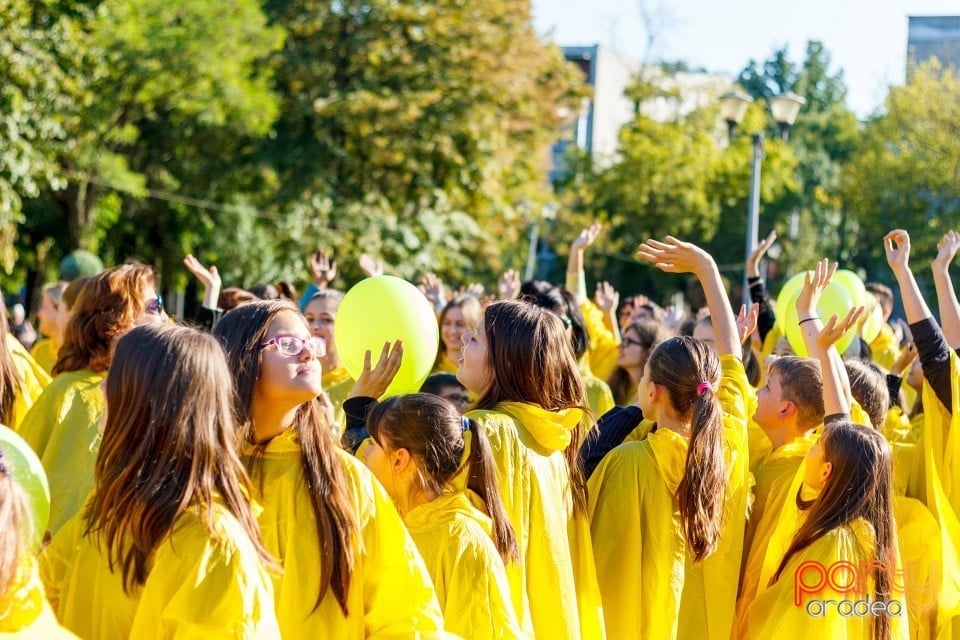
point(905, 174)
point(393, 110)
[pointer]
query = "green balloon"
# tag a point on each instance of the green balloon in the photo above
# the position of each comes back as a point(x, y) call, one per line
point(384, 309)
point(25, 467)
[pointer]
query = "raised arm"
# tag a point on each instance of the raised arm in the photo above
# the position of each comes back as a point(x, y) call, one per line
point(946, 296)
point(576, 281)
point(674, 256)
point(758, 290)
point(897, 245)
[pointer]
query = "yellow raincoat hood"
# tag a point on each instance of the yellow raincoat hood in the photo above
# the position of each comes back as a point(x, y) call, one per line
point(551, 429)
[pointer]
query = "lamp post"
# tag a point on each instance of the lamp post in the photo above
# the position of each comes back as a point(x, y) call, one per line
point(784, 108)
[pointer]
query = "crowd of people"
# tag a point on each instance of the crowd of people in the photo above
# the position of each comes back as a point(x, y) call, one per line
point(573, 468)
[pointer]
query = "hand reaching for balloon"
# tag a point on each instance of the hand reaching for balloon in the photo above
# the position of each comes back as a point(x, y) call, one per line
point(814, 282)
point(373, 382)
point(836, 328)
point(747, 321)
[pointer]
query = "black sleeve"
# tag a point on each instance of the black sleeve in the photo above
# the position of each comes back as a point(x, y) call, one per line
point(934, 354)
point(836, 417)
point(207, 318)
point(611, 429)
point(355, 431)
point(766, 317)
point(893, 386)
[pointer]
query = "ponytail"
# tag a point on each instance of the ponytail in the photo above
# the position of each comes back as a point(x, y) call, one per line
point(482, 480)
point(702, 490)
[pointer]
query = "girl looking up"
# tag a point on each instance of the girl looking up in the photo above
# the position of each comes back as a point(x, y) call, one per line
point(350, 569)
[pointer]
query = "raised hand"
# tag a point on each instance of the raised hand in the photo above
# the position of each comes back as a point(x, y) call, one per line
point(753, 260)
point(474, 289)
point(209, 278)
point(814, 283)
point(508, 286)
point(905, 359)
point(432, 287)
point(897, 246)
point(374, 381)
point(747, 321)
point(835, 328)
point(586, 237)
point(675, 256)
point(322, 269)
point(946, 250)
point(607, 298)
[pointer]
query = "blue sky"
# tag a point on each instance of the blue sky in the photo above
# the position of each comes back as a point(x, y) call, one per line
point(866, 38)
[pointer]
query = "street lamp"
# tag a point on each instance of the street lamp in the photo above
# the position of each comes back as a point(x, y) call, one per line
point(785, 108)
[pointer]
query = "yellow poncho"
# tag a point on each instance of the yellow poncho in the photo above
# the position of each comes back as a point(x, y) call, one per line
point(604, 346)
point(33, 380)
point(554, 588)
point(775, 613)
point(45, 353)
point(337, 384)
point(390, 594)
point(692, 600)
point(203, 584)
point(885, 349)
point(62, 428)
point(445, 364)
point(25, 613)
point(454, 539)
point(599, 396)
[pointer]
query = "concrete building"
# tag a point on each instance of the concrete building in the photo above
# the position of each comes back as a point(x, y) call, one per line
point(610, 73)
point(933, 36)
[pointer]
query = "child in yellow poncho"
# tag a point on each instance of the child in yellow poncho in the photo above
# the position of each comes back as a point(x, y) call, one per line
point(350, 569)
point(62, 424)
point(667, 511)
point(418, 450)
point(520, 364)
point(167, 545)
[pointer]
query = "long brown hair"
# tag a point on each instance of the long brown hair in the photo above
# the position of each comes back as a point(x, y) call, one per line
point(860, 485)
point(167, 446)
point(431, 429)
point(106, 307)
point(682, 365)
point(650, 333)
point(13, 516)
point(10, 380)
point(532, 361)
point(242, 331)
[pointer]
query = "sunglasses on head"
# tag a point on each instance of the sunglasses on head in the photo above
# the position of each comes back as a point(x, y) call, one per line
point(155, 305)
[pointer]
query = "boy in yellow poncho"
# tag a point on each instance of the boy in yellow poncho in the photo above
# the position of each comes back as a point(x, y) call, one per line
point(663, 573)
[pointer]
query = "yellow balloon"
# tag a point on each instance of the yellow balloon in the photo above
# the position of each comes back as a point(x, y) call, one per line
point(786, 300)
point(25, 467)
point(835, 300)
point(384, 309)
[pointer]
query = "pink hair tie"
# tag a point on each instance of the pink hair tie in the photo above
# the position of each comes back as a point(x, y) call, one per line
point(703, 386)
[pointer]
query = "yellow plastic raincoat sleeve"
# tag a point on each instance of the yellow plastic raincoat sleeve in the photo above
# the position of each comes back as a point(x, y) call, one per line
point(33, 380)
point(604, 346)
point(62, 428)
